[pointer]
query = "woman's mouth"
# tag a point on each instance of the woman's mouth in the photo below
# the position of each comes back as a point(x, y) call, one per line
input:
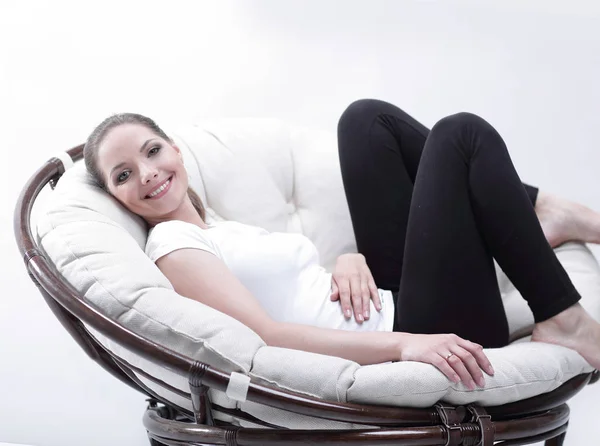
point(160, 190)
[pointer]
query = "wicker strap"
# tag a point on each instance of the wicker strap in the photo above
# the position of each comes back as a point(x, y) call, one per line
point(481, 417)
point(65, 159)
point(237, 389)
point(452, 418)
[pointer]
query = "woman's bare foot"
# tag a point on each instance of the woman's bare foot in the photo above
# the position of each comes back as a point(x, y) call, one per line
point(563, 220)
point(573, 328)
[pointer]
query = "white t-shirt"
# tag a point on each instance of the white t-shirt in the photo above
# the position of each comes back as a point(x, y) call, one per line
point(280, 269)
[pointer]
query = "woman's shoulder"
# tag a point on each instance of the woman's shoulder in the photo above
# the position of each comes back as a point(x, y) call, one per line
point(216, 233)
point(237, 227)
point(213, 229)
point(170, 235)
point(174, 224)
point(174, 228)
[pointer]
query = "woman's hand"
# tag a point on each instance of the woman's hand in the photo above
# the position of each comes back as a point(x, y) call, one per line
point(457, 358)
point(353, 285)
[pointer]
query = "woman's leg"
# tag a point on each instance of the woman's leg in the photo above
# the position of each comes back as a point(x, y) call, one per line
point(380, 151)
point(380, 147)
point(468, 205)
point(573, 327)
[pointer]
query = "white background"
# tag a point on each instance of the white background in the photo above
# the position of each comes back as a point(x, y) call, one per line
point(531, 68)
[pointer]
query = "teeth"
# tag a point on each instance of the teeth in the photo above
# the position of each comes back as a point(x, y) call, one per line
point(161, 188)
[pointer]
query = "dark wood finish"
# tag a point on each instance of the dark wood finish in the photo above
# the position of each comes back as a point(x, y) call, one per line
point(540, 418)
point(557, 441)
point(532, 428)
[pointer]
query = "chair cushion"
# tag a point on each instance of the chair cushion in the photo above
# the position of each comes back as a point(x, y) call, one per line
point(268, 173)
point(280, 177)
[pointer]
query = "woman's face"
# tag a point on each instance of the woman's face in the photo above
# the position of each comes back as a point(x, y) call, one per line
point(143, 171)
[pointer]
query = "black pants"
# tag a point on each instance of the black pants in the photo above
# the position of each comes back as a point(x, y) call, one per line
point(430, 212)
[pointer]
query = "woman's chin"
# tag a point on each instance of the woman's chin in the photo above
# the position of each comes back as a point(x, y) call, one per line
point(167, 211)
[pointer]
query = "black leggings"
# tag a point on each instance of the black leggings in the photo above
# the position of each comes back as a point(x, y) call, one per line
point(430, 212)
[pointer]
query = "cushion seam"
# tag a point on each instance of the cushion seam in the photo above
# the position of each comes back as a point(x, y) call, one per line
point(511, 386)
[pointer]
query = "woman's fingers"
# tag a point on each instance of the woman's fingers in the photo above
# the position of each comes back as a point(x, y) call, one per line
point(366, 297)
point(357, 298)
point(350, 295)
point(355, 287)
point(441, 363)
point(345, 297)
point(355, 292)
point(374, 294)
point(478, 354)
point(457, 358)
point(469, 357)
point(459, 367)
point(453, 366)
point(466, 366)
point(335, 292)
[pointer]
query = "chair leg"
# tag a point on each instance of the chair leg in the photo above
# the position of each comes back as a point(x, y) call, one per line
point(556, 441)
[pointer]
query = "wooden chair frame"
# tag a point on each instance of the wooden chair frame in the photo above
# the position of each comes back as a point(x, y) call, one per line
point(541, 418)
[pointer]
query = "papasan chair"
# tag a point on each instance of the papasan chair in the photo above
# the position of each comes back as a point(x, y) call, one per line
point(211, 380)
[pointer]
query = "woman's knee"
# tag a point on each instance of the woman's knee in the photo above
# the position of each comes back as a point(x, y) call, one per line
point(469, 130)
point(460, 122)
point(365, 111)
point(357, 111)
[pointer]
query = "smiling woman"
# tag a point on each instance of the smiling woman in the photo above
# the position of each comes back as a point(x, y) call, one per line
point(271, 282)
point(455, 188)
point(132, 158)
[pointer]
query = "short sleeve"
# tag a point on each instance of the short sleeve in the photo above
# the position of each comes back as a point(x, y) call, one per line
point(170, 236)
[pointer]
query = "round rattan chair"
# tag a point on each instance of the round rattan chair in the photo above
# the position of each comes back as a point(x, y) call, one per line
point(544, 417)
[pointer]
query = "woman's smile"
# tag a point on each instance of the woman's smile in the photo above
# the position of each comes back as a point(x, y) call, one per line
point(138, 165)
point(161, 190)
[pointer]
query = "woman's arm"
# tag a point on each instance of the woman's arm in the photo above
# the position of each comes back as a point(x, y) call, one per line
point(201, 276)
point(364, 347)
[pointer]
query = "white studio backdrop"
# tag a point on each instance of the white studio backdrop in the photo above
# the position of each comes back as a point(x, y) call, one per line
point(531, 68)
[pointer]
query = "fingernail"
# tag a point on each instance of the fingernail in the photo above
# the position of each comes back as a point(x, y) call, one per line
point(367, 314)
point(347, 313)
point(378, 306)
point(472, 385)
point(360, 317)
point(490, 369)
point(456, 379)
point(481, 382)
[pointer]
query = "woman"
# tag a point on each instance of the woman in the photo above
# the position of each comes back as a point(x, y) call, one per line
point(430, 210)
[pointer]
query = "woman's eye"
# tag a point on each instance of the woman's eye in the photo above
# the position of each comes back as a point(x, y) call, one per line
point(153, 151)
point(122, 176)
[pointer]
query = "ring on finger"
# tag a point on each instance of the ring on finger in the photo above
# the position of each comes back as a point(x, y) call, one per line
point(448, 356)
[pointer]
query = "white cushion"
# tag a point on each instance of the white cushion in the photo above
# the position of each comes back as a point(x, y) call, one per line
point(280, 177)
point(267, 173)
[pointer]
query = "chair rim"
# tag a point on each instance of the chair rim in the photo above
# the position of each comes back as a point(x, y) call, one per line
point(71, 309)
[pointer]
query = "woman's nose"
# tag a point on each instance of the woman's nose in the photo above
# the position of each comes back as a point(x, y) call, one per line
point(147, 174)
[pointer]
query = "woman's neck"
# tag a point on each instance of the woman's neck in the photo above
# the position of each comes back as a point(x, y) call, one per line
point(185, 212)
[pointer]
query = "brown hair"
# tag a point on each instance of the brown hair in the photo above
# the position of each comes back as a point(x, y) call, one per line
point(90, 150)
